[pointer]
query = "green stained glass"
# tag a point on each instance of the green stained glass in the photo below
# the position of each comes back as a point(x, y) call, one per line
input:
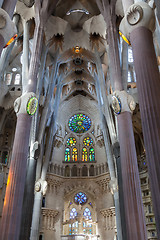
point(71, 141)
point(67, 155)
point(84, 155)
point(87, 141)
point(79, 123)
point(91, 154)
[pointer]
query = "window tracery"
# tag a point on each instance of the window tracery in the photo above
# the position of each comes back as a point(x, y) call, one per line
point(79, 123)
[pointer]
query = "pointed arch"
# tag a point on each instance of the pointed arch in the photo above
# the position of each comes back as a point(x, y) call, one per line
point(67, 155)
point(91, 154)
point(84, 155)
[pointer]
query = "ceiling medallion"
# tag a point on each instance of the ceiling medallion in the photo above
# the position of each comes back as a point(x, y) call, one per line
point(116, 105)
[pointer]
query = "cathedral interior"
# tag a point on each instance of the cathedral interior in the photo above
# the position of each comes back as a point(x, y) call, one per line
point(79, 120)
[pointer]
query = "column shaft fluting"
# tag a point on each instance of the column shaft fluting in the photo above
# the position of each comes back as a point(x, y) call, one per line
point(148, 84)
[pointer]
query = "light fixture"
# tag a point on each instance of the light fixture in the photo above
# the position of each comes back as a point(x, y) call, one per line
point(77, 10)
point(14, 69)
point(77, 49)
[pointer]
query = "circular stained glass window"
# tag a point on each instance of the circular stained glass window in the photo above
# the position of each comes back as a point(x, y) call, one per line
point(71, 141)
point(79, 123)
point(80, 198)
point(87, 141)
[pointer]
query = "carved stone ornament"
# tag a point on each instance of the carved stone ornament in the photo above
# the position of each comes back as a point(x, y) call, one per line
point(7, 27)
point(139, 14)
point(134, 14)
point(116, 105)
point(41, 185)
point(122, 102)
point(27, 103)
point(113, 186)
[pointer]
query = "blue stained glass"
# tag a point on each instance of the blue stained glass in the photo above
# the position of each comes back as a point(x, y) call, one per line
point(80, 198)
point(87, 213)
point(73, 213)
point(79, 123)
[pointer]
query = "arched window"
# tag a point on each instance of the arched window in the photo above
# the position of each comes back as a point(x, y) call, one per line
point(84, 155)
point(67, 155)
point(88, 153)
point(74, 171)
point(73, 213)
point(73, 227)
point(71, 152)
point(84, 171)
point(87, 213)
point(91, 154)
point(17, 79)
point(91, 170)
point(87, 225)
point(74, 155)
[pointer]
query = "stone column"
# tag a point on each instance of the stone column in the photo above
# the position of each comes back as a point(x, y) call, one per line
point(124, 65)
point(158, 9)
point(25, 55)
point(134, 214)
point(9, 6)
point(148, 83)
point(12, 210)
point(110, 163)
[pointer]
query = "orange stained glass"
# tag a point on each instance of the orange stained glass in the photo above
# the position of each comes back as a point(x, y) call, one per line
point(74, 155)
point(84, 155)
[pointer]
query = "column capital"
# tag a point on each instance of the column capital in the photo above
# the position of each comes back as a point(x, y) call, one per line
point(139, 14)
point(122, 102)
point(27, 103)
point(41, 186)
point(7, 27)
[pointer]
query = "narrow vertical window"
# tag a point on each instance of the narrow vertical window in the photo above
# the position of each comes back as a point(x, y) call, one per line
point(91, 154)
point(84, 155)
point(74, 155)
point(67, 155)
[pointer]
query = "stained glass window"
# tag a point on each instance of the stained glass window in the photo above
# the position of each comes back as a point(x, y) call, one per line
point(91, 154)
point(67, 155)
point(73, 213)
point(71, 141)
point(79, 123)
point(84, 155)
point(74, 154)
point(87, 141)
point(80, 198)
point(87, 213)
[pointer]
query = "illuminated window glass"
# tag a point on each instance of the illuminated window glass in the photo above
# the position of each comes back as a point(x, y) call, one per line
point(8, 78)
point(67, 155)
point(71, 141)
point(79, 123)
point(74, 154)
point(129, 77)
point(87, 213)
point(87, 226)
point(91, 154)
point(80, 198)
point(84, 155)
point(73, 213)
point(130, 55)
point(87, 141)
point(17, 79)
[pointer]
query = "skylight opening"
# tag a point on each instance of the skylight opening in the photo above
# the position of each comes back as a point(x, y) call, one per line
point(77, 10)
